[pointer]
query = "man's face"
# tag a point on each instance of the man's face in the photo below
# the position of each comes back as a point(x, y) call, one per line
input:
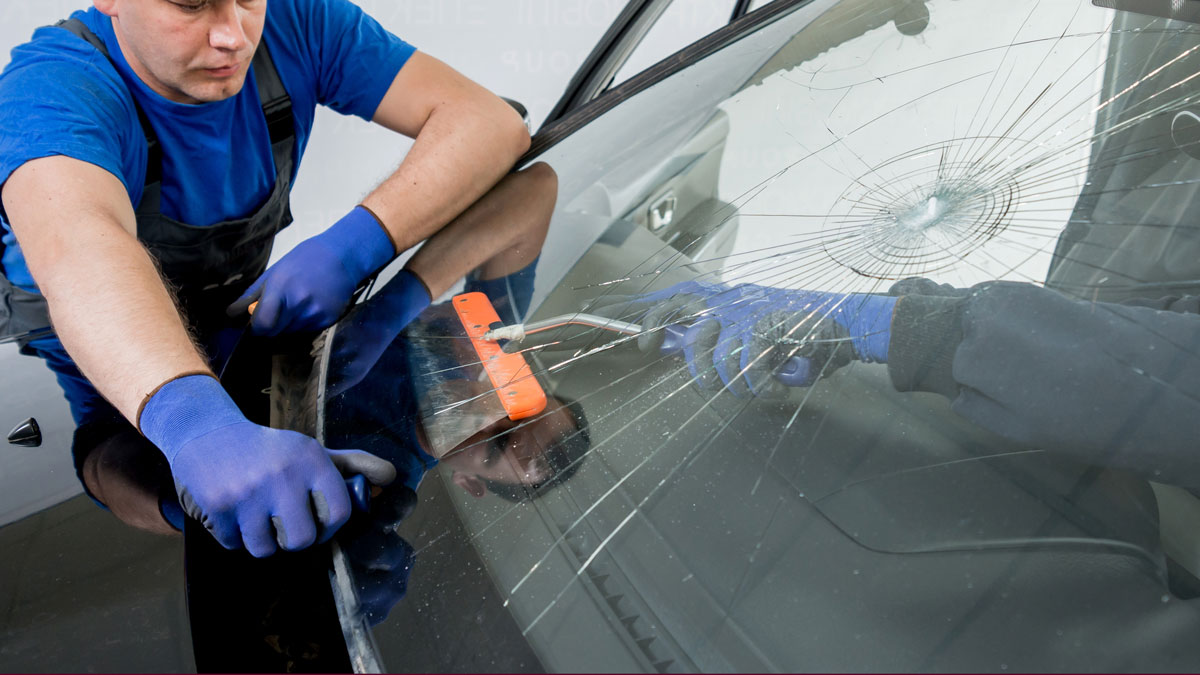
point(189, 51)
point(509, 452)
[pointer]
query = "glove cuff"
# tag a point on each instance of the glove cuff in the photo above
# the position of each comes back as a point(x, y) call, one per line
point(405, 296)
point(184, 409)
point(870, 325)
point(926, 332)
point(866, 317)
point(361, 241)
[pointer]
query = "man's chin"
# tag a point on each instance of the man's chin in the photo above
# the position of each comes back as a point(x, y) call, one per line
point(212, 92)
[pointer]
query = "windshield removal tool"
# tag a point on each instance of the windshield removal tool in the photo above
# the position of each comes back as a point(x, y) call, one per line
point(517, 388)
point(793, 373)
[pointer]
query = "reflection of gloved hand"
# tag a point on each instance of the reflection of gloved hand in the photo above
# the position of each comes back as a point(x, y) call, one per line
point(250, 485)
point(309, 288)
point(363, 337)
point(380, 559)
point(738, 336)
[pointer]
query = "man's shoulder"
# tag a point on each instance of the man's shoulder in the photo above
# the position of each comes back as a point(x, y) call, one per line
point(308, 19)
point(303, 10)
point(296, 16)
point(345, 57)
point(60, 96)
point(57, 66)
point(51, 44)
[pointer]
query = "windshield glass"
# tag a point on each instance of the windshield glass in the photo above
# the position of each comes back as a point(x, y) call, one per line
point(869, 341)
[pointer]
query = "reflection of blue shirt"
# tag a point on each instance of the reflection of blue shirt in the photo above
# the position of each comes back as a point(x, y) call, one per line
point(376, 409)
point(380, 416)
point(60, 96)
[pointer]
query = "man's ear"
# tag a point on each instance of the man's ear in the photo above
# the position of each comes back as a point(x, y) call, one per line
point(471, 484)
point(106, 7)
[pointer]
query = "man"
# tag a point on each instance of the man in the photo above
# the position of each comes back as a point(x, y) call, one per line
point(368, 402)
point(175, 151)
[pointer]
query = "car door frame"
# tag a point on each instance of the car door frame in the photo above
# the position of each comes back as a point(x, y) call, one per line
point(587, 95)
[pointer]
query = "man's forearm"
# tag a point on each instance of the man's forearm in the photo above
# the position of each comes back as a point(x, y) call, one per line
point(139, 343)
point(462, 149)
point(500, 233)
point(107, 301)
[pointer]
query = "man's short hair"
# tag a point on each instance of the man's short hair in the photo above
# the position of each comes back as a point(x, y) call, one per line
point(563, 460)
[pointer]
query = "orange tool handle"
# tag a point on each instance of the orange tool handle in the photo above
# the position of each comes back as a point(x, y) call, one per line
point(515, 384)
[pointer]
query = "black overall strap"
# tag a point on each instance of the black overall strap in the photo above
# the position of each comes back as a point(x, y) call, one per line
point(276, 104)
point(154, 151)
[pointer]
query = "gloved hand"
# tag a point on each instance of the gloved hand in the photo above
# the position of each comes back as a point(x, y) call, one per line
point(739, 336)
point(379, 558)
point(309, 288)
point(250, 485)
point(362, 338)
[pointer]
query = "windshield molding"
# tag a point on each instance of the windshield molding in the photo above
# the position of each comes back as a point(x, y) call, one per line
point(612, 50)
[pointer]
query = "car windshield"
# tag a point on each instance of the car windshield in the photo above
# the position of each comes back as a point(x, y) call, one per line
point(868, 341)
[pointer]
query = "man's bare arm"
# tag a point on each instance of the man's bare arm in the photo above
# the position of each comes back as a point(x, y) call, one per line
point(252, 486)
point(499, 234)
point(76, 227)
point(466, 140)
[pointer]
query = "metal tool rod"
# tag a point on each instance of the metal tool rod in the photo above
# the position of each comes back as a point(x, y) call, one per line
point(517, 332)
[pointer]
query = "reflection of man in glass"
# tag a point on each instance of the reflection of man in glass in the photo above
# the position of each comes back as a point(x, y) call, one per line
point(422, 397)
point(516, 460)
point(513, 460)
point(422, 402)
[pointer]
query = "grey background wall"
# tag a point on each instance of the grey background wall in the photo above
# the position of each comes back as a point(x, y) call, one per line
point(522, 49)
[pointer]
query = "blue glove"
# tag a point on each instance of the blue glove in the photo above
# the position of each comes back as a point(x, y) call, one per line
point(737, 337)
point(826, 330)
point(309, 288)
point(362, 338)
point(250, 485)
point(379, 558)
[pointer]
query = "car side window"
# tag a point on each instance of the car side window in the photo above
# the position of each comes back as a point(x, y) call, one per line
point(683, 22)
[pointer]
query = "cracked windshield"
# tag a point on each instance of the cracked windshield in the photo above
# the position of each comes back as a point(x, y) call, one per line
point(865, 339)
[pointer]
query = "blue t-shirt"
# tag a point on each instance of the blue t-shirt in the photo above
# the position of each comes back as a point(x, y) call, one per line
point(60, 96)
